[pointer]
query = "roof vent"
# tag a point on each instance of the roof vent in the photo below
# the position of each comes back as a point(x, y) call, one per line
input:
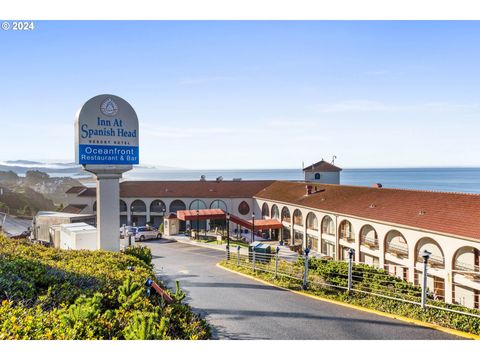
point(211, 190)
point(309, 189)
point(377, 185)
point(371, 206)
point(203, 178)
point(422, 212)
point(218, 179)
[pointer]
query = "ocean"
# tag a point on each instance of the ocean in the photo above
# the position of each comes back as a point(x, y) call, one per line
point(438, 179)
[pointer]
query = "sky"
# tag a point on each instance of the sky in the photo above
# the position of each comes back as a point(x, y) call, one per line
point(247, 94)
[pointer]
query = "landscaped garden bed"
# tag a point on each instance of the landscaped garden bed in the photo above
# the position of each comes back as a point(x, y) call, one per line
point(328, 279)
point(48, 293)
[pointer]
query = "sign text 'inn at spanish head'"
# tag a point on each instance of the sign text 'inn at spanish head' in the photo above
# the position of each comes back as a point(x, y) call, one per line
point(106, 132)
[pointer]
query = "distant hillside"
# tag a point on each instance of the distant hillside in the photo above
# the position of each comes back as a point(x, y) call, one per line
point(21, 200)
point(51, 188)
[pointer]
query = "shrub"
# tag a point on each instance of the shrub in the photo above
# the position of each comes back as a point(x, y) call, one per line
point(49, 293)
point(142, 253)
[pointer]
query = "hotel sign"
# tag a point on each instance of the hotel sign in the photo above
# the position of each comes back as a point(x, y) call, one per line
point(106, 132)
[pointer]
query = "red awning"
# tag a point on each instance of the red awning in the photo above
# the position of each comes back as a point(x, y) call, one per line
point(213, 214)
point(260, 224)
point(204, 214)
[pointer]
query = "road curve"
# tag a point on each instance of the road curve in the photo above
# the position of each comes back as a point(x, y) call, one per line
point(242, 308)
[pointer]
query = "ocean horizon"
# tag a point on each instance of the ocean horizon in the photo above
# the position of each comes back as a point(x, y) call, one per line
point(465, 180)
point(447, 179)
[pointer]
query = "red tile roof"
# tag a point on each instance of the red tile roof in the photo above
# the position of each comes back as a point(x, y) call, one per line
point(74, 208)
point(198, 189)
point(322, 166)
point(449, 213)
point(75, 189)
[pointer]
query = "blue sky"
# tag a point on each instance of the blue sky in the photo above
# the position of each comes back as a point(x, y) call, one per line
point(251, 94)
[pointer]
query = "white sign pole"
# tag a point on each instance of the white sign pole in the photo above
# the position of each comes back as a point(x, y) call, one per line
point(106, 129)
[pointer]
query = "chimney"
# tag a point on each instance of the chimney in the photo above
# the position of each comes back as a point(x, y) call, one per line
point(309, 189)
point(377, 185)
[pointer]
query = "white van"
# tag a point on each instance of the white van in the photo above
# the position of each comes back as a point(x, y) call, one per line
point(145, 233)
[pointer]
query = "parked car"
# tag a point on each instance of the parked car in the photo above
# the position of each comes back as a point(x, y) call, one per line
point(125, 231)
point(145, 233)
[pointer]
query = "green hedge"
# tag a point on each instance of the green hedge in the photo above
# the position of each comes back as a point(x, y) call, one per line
point(336, 272)
point(49, 293)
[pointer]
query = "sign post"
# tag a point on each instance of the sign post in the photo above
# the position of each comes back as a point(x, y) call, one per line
point(106, 144)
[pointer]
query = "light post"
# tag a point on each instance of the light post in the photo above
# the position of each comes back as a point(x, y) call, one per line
point(227, 217)
point(253, 227)
point(426, 255)
point(198, 223)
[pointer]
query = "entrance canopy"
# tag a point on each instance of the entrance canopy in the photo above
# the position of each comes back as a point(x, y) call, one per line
point(214, 214)
point(203, 214)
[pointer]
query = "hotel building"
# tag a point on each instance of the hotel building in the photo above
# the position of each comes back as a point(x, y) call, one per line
point(387, 228)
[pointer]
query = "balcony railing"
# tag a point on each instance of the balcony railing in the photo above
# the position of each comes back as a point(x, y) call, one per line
point(369, 241)
point(470, 271)
point(434, 261)
point(347, 235)
point(397, 250)
point(287, 219)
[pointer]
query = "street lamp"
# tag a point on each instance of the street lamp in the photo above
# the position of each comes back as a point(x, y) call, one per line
point(196, 235)
point(131, 215)
point(227, 217)
point(426, 256)
point(253, 226)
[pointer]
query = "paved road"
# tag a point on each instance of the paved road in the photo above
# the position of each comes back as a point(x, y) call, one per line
point(13, 225)
point(241, 308)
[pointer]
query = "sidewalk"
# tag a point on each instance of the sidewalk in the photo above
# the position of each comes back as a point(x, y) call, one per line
point(284, 253)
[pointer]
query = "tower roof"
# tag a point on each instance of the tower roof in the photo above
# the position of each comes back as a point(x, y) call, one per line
point(322, 166)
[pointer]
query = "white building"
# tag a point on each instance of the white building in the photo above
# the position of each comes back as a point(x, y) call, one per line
point(322, 172)
point(388, 228)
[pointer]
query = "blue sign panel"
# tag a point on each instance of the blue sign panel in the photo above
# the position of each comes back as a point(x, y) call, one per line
point(108, 154)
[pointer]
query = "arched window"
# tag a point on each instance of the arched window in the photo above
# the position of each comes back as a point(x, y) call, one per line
point(328, 226)
point(243, 208)
point(123, 206)
point(177, 205)
point(286, 214)
point(198, 205)
point(346, 231)
point(265, 210)
point(297, 217)
point(218, 204)
point(436, 260)
point(312, 221)
point(157, 206)
point(467, 258)
point(395, 244)
point(317, 176)
point(369, 237)
point(275, 212)
point(138, 206)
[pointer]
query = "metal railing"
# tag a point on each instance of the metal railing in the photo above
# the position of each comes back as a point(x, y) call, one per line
point(347, 235)
point(354, 277)
point(369, 241)
point(397, 250)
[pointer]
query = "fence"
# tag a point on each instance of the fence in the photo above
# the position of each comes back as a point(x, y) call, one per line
point(347, 276)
